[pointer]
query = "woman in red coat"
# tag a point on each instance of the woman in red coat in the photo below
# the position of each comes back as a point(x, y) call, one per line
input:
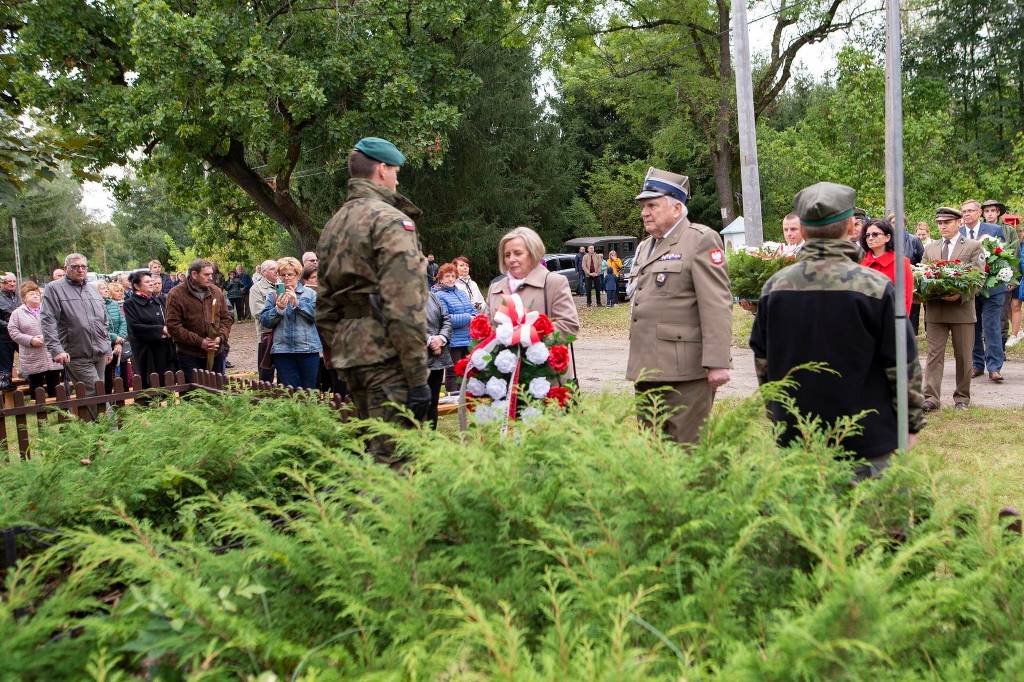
point(877, 239)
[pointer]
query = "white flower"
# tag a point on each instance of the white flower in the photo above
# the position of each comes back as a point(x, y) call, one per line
point(506, 361)
point(480, 358)
point(483, 413)
point(475, 387)
point(539, 387)
point(496, 388)
point(1004, 274)
point(499, 408)
point(985, 254)
point(529, 413)
point(537, 354)
point(503, 334)
point(771, 247)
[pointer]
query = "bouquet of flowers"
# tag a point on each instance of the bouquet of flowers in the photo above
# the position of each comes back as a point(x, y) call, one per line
point(945, 278)
point(523, 356)
point(999, 264)
point(750, 268)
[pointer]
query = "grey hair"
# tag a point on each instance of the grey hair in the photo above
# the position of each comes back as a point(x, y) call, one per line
point(534, 245)
point(73, 256)
point(267, 263)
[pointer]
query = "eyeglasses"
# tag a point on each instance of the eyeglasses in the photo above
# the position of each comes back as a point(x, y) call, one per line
point(81, 266)
point(874, 235)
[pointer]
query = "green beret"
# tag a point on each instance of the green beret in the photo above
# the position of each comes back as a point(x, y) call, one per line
point(947, 213)
point(379, 149)
point(824, 203)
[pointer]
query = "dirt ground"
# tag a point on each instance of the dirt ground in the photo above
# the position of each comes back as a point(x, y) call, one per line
point(602, 350)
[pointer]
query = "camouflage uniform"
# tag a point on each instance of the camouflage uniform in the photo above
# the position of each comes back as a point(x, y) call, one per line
point(372, 298)
point(826, 308)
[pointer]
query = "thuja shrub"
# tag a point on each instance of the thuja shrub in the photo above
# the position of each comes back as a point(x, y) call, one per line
point(577, 547)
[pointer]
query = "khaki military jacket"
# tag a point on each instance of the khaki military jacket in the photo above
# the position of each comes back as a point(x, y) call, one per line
point(372, 296)
point(681, 310)
point(967, 251)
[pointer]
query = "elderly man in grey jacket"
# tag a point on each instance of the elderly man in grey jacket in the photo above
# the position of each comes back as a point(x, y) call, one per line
point(74, 322)
point(263, 283)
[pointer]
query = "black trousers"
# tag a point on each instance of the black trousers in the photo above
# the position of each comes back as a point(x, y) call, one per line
point(594, 284)
point(452, 382)
point(49, 380)
point(434, 380)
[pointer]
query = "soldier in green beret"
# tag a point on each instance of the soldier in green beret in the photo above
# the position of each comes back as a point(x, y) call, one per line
point(826, 308)
point(372, 292)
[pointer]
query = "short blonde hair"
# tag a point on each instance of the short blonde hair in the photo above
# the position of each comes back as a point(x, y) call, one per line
point(534, 245)
point(114, 288)
point(289, 262)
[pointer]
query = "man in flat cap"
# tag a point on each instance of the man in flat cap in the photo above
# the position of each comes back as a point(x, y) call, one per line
point(951, 317)
point(988, 329)
point(372, 291)
point(681, 315)
point(826, 308)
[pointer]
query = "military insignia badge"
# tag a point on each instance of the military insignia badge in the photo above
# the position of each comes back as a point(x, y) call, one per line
point(660, 279)
point(717, 257)
point(409, 225)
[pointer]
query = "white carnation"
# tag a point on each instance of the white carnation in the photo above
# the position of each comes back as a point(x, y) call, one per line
point(475, 387)
point(529, 413)
point(499, 408)
point(539, 387)
point(480, 358)
point(506, 361)
point(1004, 274)
point(537, 354)
point(504, 334)
point(483, 413)
point(496, 388)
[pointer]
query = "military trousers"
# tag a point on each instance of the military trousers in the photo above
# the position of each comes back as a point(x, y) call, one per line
point(688, 401)
point(378, 392)
point(936, 334)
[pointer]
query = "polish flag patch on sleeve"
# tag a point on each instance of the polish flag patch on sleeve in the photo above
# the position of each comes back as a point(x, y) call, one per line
point(717, 257)
point(408, 225)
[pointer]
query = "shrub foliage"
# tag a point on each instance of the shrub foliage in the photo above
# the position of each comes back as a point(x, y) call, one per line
point(225, 540)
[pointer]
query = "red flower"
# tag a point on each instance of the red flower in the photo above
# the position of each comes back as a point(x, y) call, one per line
point(559, 393)
point(986, 267)
point(480, 328)
point(543, 326)
point(998, 249)
point(558, 358)
point(460, 366)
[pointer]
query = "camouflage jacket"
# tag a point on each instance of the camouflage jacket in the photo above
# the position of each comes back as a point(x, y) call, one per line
point(372, 294)
point(826, 308)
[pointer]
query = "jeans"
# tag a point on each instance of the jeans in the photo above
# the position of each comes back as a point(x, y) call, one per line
point(187, 363)
point(594, 284)
point(298, 370)
point(581, 282)
point(988, 333)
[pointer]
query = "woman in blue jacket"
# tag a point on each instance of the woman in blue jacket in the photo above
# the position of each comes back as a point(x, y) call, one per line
point(292, 317)
point(461, 312)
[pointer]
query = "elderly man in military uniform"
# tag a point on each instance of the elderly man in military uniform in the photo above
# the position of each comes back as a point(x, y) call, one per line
point(826, 308)
point(681, 317)
point(372, 291)
point(952, 317)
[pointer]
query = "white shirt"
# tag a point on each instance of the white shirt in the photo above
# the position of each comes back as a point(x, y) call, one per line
point(975, 230)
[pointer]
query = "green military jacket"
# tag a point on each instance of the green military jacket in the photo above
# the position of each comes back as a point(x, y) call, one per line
point(372, 294)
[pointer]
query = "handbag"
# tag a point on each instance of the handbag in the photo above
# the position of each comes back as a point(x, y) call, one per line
point(5, 381)
point(266, 343)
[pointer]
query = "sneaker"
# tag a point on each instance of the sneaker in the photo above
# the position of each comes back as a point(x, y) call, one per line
point(1015, 339)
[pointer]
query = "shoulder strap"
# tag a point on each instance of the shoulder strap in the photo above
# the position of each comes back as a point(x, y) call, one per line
point(546, 275)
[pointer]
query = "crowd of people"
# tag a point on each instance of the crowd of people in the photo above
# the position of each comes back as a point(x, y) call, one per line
point(596, 273)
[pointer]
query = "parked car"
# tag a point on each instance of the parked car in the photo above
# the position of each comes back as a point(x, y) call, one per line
point(563, 264)
point(624, 247)
point(627, 266)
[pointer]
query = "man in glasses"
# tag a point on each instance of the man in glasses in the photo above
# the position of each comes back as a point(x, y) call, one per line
point(74, 322)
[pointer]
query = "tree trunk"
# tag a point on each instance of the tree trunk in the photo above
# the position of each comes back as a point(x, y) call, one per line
point(722, 157)
point(276, 204)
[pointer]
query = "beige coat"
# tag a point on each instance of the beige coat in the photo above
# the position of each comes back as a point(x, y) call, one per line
point(681, 314)
point(967, 251)
point(543, 291)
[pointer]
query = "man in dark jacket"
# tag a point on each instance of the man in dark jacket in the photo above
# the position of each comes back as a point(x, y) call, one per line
point(199, 321)
point(8, 302)
point(826, 308)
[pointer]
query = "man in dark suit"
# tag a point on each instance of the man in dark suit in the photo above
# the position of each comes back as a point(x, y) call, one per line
point(952, 316)
point(988, 329)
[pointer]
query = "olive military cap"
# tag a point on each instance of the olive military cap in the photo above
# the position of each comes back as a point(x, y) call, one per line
point(824, 203)
point(998, 204)
point(947, 213)
point(381, 150)
point(661, 183)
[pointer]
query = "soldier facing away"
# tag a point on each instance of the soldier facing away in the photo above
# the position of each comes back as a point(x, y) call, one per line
point(373, 293)
point(826, 308)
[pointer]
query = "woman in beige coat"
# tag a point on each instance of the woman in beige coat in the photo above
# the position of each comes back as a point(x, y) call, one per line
point(519, 258)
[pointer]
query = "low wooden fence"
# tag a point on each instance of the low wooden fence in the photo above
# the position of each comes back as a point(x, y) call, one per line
point(67, 405)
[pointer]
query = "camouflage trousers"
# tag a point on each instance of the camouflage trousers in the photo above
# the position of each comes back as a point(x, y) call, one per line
point(378, 391)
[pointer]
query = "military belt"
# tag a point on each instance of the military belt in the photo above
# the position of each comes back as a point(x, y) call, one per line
point(355, 311)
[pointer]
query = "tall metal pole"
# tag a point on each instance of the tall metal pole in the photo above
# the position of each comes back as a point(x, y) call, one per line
point(17, 250)
point(753, 231)
point(894, 192)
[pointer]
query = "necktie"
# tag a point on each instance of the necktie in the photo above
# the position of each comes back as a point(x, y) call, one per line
point(654, 245)
point(972, 233)
point(946, 251)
